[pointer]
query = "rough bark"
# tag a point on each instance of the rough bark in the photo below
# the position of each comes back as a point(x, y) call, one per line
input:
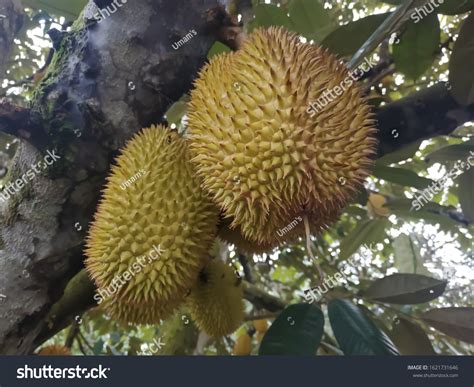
point(106, 81)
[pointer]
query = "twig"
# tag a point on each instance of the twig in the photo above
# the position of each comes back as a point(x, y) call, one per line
point(247, 270)
point(390, 25)
point(261, 299)
point(85, 341)
point(73, 332)
point(310, 251)
point(81, 348)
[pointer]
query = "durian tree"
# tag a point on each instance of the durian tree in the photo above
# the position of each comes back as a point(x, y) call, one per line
point(251, 192)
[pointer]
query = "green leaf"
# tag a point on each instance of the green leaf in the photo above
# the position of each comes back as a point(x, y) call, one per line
point(410, 338)
point(69, 9)
point(407, 256)
point(466, 193)
point(310, 18)
point(418, 47)
point(400, 155)
point(405, 289)
point(455, 322)
point(217, 48)
point(355, 332)
point(461, 76)
point(267, 15)
point(347, 39)
point(296, 331)
point(455, 7)
point(176, 112)
point(450, 153)
point(401, 176)
point(367, 232)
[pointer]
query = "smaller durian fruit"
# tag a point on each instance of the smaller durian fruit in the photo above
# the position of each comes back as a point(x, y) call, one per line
point(261, 325)
point(235, 237)
point(150, 238)
point(376, 204)
point(216, 302)
point(54, 350)
point(243, 345)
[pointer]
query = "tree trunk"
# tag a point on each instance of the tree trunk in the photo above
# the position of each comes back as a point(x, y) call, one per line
point(107, 80)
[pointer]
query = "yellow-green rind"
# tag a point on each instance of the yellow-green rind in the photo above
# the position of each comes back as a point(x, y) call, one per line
point(137, 314)
point(261, 155)
point(164, 209)
point(234, 236)
point(216, 302)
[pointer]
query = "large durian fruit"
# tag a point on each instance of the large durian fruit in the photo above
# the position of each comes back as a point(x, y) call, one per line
point(262, 156)
point(234, 236)
point(163, 219)
point(216, 301)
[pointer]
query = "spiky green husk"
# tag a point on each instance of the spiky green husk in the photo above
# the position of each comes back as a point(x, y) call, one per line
point(234, 236)
point(160, 227)
point(216, 302)
point(261, 155)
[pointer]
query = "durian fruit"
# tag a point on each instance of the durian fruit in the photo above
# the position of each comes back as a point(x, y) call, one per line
point(234, 236)
point(216, 302)
point(150, 239)
point(375, 205)
point(131, 313)
point(263, 155)
point(259, 336)
point(54, 350)
point(243, 345)
point(261, 325)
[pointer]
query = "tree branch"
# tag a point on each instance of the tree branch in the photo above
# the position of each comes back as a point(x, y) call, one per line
point(427, 113)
